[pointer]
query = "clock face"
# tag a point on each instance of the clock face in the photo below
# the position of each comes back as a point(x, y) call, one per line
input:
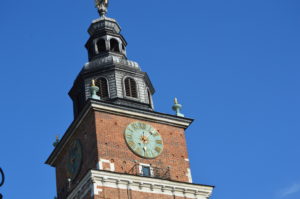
point(74, 159)
point(143, 140)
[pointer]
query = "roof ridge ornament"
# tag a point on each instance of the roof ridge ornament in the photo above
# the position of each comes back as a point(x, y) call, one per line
point(93, 90)
point(56, 141)
point(102, 6)
point(177, 108)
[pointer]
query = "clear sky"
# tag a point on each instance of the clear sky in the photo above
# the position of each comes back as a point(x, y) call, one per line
point(234, 65)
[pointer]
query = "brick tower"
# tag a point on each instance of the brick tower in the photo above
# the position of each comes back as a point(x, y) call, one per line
point(118, 147)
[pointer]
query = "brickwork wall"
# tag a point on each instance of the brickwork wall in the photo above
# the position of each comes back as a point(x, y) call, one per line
point(102, 138)
point(86, 134)
point(112, 146)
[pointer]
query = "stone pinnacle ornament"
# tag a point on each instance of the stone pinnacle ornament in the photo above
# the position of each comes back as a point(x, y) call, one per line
point(94, 89)
point(177, 108)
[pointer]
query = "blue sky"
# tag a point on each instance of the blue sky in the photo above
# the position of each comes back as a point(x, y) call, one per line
point(234, 65)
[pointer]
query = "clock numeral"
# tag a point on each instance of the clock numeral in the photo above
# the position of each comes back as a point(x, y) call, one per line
point(152, 131)
point(131, 144)
point(129, 129)
point(151, 154)
point(155, 134)
point(158, 141)
point(142, 126)
point(146, 154)
point(148, 127)
point(158, 149)
point(139, 151)
point(135, 126)
point(129, 136)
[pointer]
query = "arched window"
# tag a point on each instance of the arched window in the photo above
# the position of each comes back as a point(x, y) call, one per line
point(114, 45)
point(103, 87)
point(130, 87)
point(101, 46)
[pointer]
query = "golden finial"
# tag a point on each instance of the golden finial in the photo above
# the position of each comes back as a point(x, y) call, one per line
point(93, 82)
point(102, 6)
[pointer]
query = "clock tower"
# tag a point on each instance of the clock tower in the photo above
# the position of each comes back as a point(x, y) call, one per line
point(117, 146)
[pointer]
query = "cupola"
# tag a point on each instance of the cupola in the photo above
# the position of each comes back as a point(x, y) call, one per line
point(105, 39)
point(120, 80)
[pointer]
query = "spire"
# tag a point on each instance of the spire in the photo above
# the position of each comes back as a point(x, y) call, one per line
point(102, 7)
point(118, 80)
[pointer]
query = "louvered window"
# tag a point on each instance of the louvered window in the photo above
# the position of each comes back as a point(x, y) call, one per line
point(103, 88)
point(130, 87)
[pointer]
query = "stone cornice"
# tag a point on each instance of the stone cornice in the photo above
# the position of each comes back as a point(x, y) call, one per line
point(95, 179)
point(140, 114)
point(110, 61)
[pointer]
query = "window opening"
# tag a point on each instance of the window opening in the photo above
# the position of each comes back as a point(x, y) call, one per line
point(103, 88)
point(114, 45)
point(130, 87)
point(101, 46)
point(146, 171)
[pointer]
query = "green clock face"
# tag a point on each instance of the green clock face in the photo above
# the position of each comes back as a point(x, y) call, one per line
point(74, 159)
point(144, 140)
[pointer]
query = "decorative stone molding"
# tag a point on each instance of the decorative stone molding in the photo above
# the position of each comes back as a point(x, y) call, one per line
point(189, 175)
point(95, 179)
point(148, 116)
point(109, 60)
point(101, 163)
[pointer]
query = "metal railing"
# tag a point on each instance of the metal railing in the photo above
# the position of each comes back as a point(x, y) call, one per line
point(155, 172)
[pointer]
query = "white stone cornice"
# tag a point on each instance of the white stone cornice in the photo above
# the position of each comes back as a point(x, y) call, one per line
point(94, 179)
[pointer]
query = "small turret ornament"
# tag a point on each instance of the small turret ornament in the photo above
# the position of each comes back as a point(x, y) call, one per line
point(56, 141)
point(177, 108)
point(102, 6)
point(94, 89)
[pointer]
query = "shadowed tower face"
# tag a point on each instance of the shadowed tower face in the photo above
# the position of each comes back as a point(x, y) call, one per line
point(118, 147)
